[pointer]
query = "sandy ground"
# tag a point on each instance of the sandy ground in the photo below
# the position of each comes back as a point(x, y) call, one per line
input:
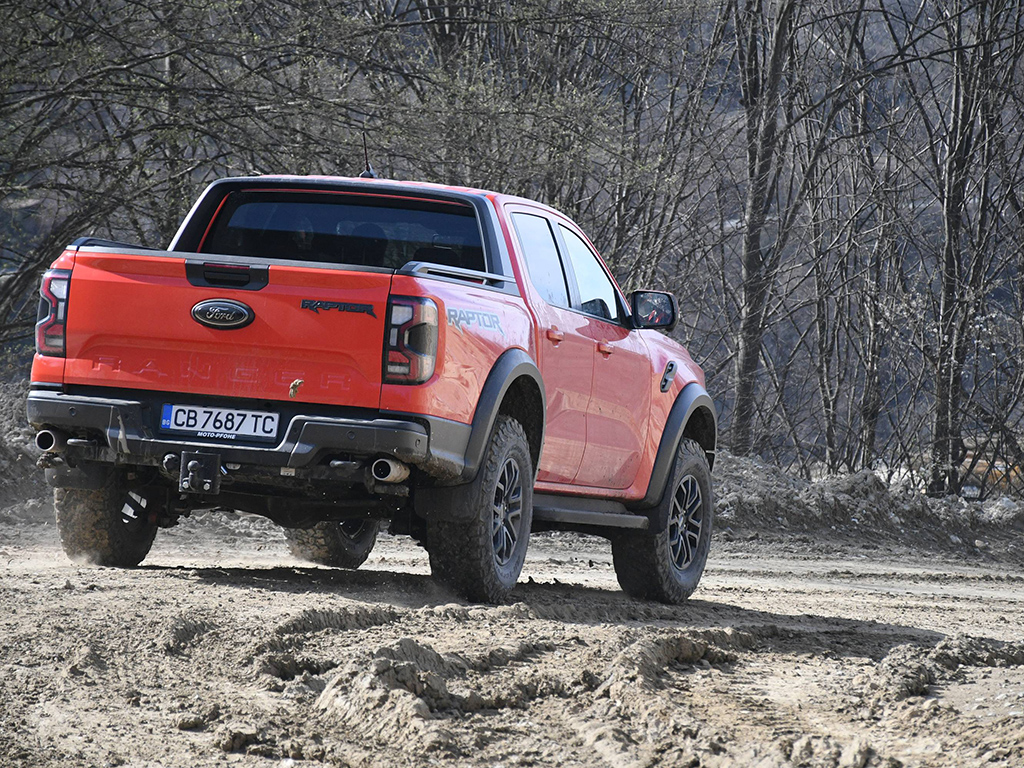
point(223, 650)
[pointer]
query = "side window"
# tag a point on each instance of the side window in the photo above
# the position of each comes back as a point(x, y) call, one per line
point(541, 256)
point(597, 294)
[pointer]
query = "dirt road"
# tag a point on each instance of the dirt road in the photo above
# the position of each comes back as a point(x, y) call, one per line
point(223, 650)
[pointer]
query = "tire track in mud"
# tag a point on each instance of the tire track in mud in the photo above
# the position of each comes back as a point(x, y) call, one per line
point(627, 700)
point(416, 694)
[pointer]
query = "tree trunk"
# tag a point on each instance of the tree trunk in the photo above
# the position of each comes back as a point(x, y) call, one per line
point(761, 82)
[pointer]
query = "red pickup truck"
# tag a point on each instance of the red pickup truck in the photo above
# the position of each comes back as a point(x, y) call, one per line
point(334, 353)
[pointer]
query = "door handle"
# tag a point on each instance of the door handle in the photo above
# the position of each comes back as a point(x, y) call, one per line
point(555, 335)
point(605, 348)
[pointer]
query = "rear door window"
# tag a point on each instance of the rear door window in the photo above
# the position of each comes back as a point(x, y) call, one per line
point(345, 229)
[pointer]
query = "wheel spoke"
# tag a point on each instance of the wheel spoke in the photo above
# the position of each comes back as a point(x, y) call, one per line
point(503, 545)
point(350, 529)
point(510, 532)
point(693, 503)
point(685, 552)
point(513, 518)
point(512, 468)
point(134, 509)
point(673, 535)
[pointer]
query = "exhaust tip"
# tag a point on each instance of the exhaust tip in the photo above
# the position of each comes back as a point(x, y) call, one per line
point(389, 471)
point(49, 441)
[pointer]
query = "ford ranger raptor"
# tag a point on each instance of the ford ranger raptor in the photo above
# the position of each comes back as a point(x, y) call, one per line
point(335, 354)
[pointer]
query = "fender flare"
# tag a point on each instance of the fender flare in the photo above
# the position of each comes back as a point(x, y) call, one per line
point(691, 399)
point(513, 364)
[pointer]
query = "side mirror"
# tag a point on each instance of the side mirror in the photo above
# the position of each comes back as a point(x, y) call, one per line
point(654, 309)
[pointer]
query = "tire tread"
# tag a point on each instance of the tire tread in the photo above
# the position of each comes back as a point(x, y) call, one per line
point(640, 558)
point(461, 552)
point(91, 528)
point(327, 543)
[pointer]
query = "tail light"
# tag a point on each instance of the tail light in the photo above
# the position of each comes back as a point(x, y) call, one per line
point(53, 308)
point(411, 341)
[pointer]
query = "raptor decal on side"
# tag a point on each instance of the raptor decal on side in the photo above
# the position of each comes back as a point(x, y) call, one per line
point(457, 318)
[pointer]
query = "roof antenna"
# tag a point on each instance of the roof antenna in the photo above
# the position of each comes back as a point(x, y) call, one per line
point(369, 173)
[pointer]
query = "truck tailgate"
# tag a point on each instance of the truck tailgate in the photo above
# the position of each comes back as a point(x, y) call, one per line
point(316, 334)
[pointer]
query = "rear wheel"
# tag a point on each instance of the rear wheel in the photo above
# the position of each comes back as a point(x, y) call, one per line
point(667, 566)
point(340, 545)
point(482, 558)
point(108, 526)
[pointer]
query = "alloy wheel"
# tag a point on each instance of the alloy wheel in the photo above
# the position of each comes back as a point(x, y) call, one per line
point(685, 522)
point(507, 511)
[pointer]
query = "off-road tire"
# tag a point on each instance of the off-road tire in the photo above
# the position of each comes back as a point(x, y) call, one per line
point(667, 566)
point(481, 558)
point(106, 526)
point(339, 545)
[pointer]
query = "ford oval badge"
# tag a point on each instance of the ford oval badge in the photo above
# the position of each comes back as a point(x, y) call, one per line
point(222, 314)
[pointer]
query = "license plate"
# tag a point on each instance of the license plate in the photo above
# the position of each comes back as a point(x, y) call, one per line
point(219, 423)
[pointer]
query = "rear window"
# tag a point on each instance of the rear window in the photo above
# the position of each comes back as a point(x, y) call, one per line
point(345, 229)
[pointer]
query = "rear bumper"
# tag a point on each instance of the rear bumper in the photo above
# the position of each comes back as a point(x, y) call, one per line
point(121, 431)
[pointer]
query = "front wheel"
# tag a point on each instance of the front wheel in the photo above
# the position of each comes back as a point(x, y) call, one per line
point(108, 526)
point(340, 545)
point(482, 558)
point(667, 566)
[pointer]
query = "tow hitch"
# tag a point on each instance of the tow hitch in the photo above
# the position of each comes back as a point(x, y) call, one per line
point(200, 473)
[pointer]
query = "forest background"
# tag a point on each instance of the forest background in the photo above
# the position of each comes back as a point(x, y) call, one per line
point(831, 188)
